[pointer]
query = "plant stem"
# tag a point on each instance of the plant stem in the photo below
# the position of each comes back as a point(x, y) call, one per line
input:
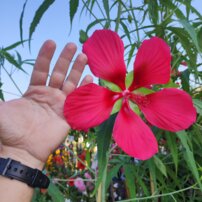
point(118, 18)
point(136, 25)
point(11, 78)
point(91, 12)
point(161, 195)
point(101, 196)
point(151, 184)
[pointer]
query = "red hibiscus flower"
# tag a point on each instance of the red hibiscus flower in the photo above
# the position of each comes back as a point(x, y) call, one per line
point(88, 106)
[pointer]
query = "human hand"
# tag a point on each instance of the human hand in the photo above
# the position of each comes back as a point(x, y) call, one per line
point(33, 126)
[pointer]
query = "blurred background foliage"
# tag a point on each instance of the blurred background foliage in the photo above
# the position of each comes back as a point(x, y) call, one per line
point(175, 173)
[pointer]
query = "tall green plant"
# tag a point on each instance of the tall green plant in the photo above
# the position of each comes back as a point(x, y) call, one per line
point(174, 174)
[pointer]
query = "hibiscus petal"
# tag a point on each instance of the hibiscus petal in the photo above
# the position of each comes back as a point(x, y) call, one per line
point(152, 64)
point(133, 136)
point(88, 106)
point(170, 109)
point(105, 52)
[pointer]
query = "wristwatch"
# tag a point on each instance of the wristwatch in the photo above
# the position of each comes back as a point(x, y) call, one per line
point(15, 170)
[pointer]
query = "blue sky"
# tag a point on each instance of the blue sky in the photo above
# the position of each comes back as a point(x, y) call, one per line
point(54, 25)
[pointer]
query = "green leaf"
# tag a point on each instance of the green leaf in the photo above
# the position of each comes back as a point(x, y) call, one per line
point(103, 137)
point(144, 91)
point(112, 173)
point(184, 39)
point(21, 21)
point(55, 193)
point(12, 46)
point(189, 156)
point(11, 60)
point(174, 8)
point(129, 171)
point(1, 93)
point(130, 55)
point(106, 7)
point(117, 106)
point(185, 80)
point(153, 11)
point(193, 9)
point(170, 84)
point(73, 4)
point(160, 165)
point(198, 105)
point(142, 184)
point(92, 24)
point(109, 85)
point(152, 172)
point(199, 38)
point(129, 78)
point(126, 31)
point(171, 141)
point(38, 15)
point(191, 31)
point(135, 108)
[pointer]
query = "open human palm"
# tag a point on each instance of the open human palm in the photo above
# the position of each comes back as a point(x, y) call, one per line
point(34, 123)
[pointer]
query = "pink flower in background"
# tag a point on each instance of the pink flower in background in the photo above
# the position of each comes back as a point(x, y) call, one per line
point(79, 184)
point(87, 175)
point(88, 106)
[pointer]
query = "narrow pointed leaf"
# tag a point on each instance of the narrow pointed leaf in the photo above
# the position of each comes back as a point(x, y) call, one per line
point(21, 21)
point(73, 5)
point(129, 171)
point(112, 173)
point(11, 60)
point(198, 105)
point(189, 156)
point(160, 165)
point(191, 31)
point(153, 11)
point(131, 53)
point(38, 15)
point(171, 141)
point(184, 39)
point(1, 93)
point(174, 8)
point(12, 46)
point(106, 7)
point(95, 22)
point(199, 38)
point(153, 174)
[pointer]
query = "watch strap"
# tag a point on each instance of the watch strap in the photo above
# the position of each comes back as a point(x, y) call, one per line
point(15, 170)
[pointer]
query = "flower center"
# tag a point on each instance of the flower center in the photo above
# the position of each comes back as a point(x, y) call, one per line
point(126, 94)
point(140, 100)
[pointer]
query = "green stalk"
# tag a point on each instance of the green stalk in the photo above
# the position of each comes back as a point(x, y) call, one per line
point(136, 25)
point(118, 18)
point(101, 196)
point(11, 78)
point(161, 195)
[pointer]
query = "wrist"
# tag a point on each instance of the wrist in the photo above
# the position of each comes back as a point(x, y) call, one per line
point(22, 156)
